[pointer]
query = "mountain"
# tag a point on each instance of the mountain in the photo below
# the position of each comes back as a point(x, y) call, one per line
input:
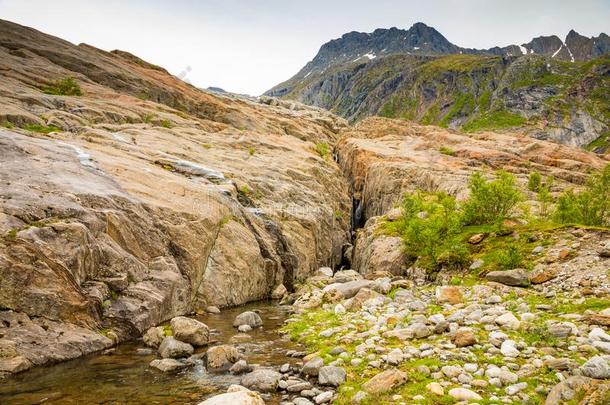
point(553, 89)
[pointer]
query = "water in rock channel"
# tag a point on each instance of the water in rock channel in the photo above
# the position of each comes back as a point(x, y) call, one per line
point(124, 376)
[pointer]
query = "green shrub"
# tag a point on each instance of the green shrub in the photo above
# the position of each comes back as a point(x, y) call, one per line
point(510, 258)
point(534, 181)
point(166, 124)
point(64, 87)
point(322, 149)
point(590, 206)
point(491, 202)
point(148, 118)
point(251, 150)
point(429, 226)
point(446, 151)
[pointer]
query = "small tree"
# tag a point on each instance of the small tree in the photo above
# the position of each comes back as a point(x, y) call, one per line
point(534, 181)
point(491, 202)
point(429, 226)
point(590, 206)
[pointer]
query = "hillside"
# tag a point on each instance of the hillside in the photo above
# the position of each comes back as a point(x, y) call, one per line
point(548, 95)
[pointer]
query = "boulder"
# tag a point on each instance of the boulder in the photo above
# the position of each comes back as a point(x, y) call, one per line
point(312, 367)
point(463, 394)
point(154, 336)
point(349, 288)
point(596, 367)
point(279, 292)
point(464, 337)
point(222, 357)
point(448, 294)
point(331, 375)
point(345, 276)
point(173, 348)
point(166, 365)
point(262, 380)
point(240, 367)
point(190, 331)
point(515, 278)
point(249, 318)
point(385, 381)
point(235, 398)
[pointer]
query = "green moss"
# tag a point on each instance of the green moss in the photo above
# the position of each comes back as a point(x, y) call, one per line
point(601, 144)
point(463, 106)
point(167, 330)
point(494, 120)
point(41, 128)
point(593, 304)
point(431, 115)
point(64, 87)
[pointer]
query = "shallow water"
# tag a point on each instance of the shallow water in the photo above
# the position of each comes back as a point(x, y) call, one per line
point(124, 376)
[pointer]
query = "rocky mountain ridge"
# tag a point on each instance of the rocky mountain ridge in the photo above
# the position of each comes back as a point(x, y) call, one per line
point(422, 39)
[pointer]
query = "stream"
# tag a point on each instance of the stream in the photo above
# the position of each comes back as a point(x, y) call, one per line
point(124, 376)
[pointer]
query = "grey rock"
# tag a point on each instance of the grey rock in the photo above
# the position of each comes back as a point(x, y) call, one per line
point(263, 380)
point(516, 277)
point(172, 348)
point(249, 318)
point(330, 375)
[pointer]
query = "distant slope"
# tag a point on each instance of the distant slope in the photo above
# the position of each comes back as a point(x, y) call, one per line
point(553, 89)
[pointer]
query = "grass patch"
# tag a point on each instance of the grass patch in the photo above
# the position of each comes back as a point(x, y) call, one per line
point(41, 128)
point(322, 149)
point(494, 120)
point(165, 124)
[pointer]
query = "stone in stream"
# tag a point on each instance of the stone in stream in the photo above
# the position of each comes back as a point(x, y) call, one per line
point(212, 309)
point(235, 398)
point(262, 380)
point(279, 292)
point(173, 348)
point(190, 331)
point(312, 367)
point(331, 375)
point(240, 367)
point(166, 365)
point(154, 336)
point(249, 318)
point(222, 357)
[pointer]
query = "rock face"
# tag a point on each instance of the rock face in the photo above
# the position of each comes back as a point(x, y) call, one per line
point(190, 331)
point(384, 158)
point(132, 212)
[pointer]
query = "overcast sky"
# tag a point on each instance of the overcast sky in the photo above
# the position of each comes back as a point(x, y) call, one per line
point(248, 46)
